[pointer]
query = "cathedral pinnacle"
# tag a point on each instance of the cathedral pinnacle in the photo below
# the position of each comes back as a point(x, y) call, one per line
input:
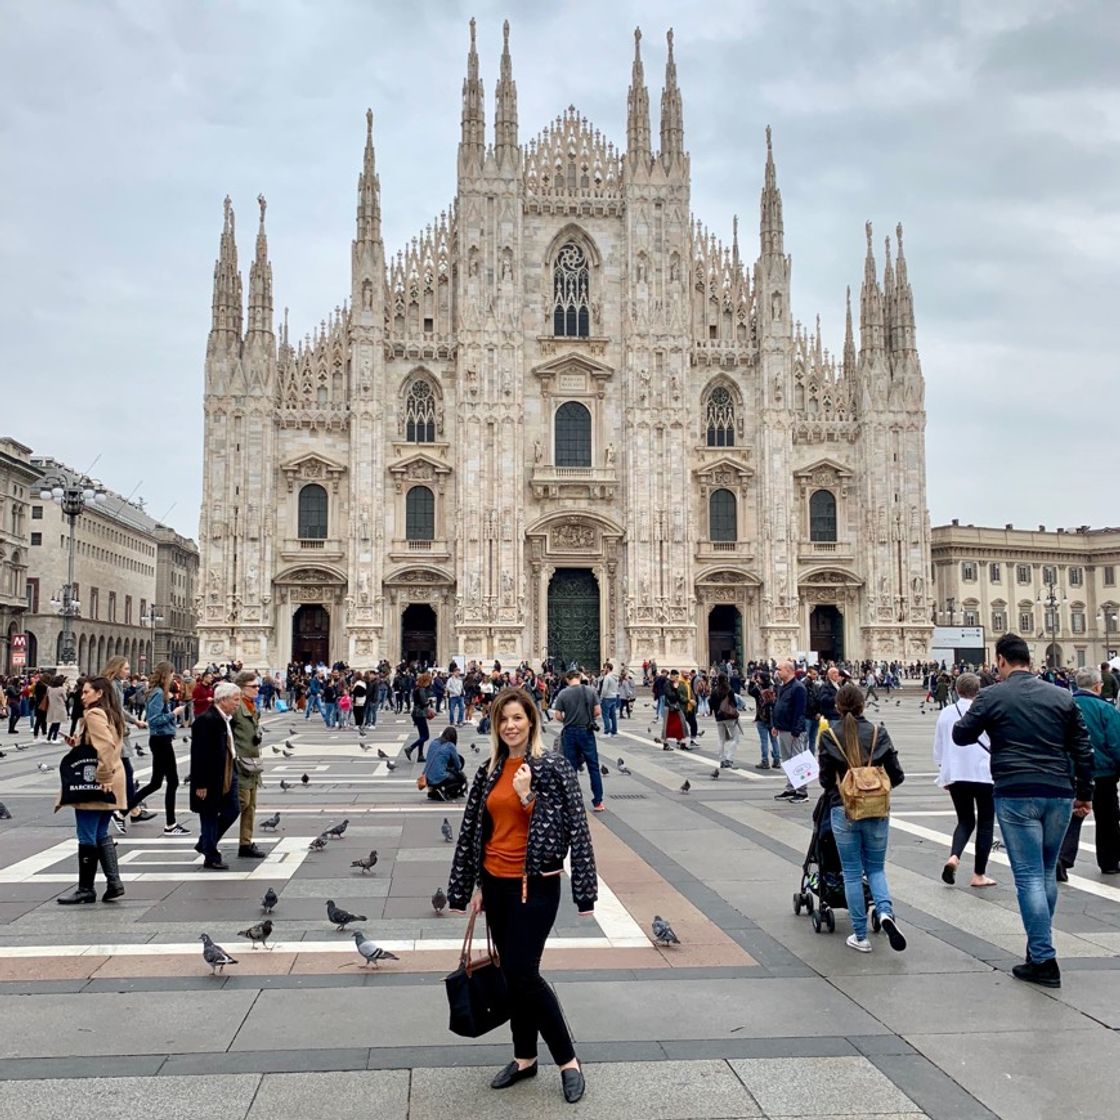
point(369, 190)
point(902, 333)
point(260, 282)
point(505, 105)
point(849, 366)
point(226, 305)
point(870, 306)
point(637, 106)
point(771, 229)
point(472, 140)
point(672, 111)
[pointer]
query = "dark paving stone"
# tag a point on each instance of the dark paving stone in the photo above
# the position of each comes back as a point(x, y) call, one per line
point(30, 1069)
point(266, 1061)
point(933, 1091)
point(824, 1047)
point(880, 1045)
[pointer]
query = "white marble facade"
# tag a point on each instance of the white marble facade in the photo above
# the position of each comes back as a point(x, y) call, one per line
point(565, 402)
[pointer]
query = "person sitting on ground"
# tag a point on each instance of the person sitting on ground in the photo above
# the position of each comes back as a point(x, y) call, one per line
point(443, 772)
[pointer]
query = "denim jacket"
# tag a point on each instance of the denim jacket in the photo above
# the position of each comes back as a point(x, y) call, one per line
point(157, 712)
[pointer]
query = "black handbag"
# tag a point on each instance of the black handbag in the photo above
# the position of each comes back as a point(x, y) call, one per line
point(78, 773)
point(476, 990)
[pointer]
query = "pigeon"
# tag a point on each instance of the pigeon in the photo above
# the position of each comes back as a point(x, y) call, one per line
point(3, 754)
point(271, 824)
point(715, 774)
point(23, 746)
point(445, 831)
point(365, 746)
point(336, 832)
point(44, 767)
point(285, 786)
point(474, 748)
point(372, 953)
point(390, 765)
point(439, 900)
point(214, 955)
point(288, 744)
point(603, 769)
point(268, 903)
point(275, 749)
point(5, 815)
point(305, 780)
point(622, 767)
point(381, 753)
point(686, 786)
point(663, 932)
point(342, 918)
point(367, 863)
point(261, 932)
point(318, 844)
point(288, 754)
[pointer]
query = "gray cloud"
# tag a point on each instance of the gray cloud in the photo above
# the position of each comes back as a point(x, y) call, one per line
point(990, 129)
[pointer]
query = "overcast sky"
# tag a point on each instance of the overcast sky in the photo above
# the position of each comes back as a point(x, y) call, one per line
point(991, 129)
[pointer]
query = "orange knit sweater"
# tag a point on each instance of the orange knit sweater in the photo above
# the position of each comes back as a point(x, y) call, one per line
point(504, 857)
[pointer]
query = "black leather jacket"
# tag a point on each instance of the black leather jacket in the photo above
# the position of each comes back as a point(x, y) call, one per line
point(558, 824)
point(1038, 736)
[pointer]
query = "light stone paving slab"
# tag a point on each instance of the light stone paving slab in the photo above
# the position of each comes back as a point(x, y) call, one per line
point(667, 1090)
point(221, 1097)
point(820, 1087)
point(299, 1096)
point(51, 1026)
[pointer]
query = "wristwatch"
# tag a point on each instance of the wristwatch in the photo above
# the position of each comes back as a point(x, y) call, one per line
point(528, 800)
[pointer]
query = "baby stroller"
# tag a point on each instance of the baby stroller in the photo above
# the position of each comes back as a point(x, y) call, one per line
point(822, 877)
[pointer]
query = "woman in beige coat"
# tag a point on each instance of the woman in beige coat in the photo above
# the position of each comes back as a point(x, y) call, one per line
point(57, 714)
point(102, 729)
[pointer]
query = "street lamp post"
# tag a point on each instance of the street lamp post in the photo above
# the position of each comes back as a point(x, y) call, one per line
point(152, 619)
point(1051, 601)
point(72, 495)
point(950, 609)
point(1107, 617)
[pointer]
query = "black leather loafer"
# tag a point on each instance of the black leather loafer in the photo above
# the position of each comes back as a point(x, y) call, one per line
point(574, 1085)
point(510, 1075)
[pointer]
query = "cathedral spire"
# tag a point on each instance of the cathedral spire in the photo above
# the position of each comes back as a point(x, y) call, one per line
point(505, 105)
point(849, 366)
point(888, 295)
point(226, 307)
point(672, 112)
point(472, 140)
point(870, 306)
point(771, 230)
point(637, 107)
point(904, 302)
point(369, 191)
point(260, 282)
point(735, 261)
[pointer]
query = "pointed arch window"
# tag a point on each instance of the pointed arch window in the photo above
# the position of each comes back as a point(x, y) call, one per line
point(722, 519)
point(420, 412)
point(573, 435)
point(571, 299)
point(719, 418)
point(312, 514)
point(420, 514)
point(822, 516)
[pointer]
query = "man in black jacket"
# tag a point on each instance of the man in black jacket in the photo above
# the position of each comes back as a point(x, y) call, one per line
point(1042, 769)
point(213, 779)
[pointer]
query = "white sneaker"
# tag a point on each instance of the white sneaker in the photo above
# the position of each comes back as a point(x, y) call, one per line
point(861, 945)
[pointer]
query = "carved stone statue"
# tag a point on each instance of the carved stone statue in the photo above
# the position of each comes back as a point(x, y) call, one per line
point(608, 455)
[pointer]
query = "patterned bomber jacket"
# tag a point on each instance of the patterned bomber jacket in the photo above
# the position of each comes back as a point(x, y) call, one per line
point(558, 823)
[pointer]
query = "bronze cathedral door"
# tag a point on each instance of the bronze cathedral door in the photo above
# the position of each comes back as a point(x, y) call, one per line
point(573, 618)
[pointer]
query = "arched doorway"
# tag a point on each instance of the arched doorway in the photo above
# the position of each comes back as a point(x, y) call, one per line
point(311, 635)
point(826, 632)
point(725, 634)
point(573, 618)
point(32, 650)
point(1054, 656)
point(418, 634)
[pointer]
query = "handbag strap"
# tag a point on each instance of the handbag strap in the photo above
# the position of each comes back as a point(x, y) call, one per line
point(465, 958)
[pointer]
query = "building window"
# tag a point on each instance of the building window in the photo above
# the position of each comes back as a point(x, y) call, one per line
point(822, 516)
point(1026, 621)
point(1049, 573)
point(128, 610)
point(1109, 576)
point(94, 604)
point(999, 622)
point(968, 573)
point(312, 513)
point(1111, 619)
point(1022, 573)
point(971, 618)
point(1052, 619)
point(36, 538)
point(993, 573)
point(573, 435)
point(420, 514)
point(571, 282)
point(1077, 621)
point(722, 520)
point(33, 594)
point(420, 413)
point(112, 606)
point(36, 513)
point(720, 418)
point(1076, 577)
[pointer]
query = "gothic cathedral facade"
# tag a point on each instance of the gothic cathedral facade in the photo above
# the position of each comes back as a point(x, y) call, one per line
point(564, 421)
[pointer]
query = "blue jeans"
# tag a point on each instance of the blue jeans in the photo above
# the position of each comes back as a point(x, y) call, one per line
point(330, 714)
point(212, 825)
point(371, 712)
point(812, 727)
point(579, 747)
point(1033, 829)
point(766, 741)
point(610, 715)
point(314, 704)
point(456, 709)
point(93, 825)
point(863, 851)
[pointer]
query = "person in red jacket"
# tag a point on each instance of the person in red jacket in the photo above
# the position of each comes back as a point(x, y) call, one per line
point(202, 695)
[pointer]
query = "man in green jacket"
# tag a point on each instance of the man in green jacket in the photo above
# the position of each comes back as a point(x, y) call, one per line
point(246, 726)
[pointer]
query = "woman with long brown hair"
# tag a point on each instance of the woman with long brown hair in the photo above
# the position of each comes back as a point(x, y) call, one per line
point(161, 717)
point(102, 729)
point(421, 698)
point(117, 671)
point(523, 815)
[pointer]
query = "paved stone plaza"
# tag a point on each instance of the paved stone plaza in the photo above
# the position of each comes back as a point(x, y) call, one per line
point(754, 1015)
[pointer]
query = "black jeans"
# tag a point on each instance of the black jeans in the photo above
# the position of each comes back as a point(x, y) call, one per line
point(421, 736)
point(519, 930)
point(214, 823)
point(39, 722)
point(1106, 813)
point(163, 769)
point(976, 809)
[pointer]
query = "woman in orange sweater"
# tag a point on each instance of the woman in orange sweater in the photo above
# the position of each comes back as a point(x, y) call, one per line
point(523, 815)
